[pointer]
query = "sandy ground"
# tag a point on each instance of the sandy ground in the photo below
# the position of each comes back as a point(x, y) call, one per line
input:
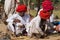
point(51, 37)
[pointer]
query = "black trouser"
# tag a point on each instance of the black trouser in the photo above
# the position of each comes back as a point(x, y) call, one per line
point(42, 24)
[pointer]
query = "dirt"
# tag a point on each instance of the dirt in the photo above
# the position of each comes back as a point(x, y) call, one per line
point(3, 30)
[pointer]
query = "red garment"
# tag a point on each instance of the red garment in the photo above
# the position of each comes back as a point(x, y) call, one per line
point(21, 8)
point(46, 0)
point(44, 15)
point(47, 5)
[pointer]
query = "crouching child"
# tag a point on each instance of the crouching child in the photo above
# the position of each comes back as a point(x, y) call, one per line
point(17, 22)
point(44, 16)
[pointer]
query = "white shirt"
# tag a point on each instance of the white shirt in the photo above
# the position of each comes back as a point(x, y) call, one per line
point(24, 19)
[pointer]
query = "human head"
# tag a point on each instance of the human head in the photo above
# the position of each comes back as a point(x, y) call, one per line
point(47, 5)
point(21, 9)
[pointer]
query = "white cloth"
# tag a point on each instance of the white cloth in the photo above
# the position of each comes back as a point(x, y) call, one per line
point(18, 29)
point(52, 18)
point(9, 7)
point(33, 26)
point(34, 23)
point(24, 20)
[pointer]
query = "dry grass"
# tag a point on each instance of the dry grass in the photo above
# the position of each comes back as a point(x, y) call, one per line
point(56, 13)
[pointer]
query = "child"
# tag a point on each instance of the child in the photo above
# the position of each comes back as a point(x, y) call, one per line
point(18, 20)
point(44, 14)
